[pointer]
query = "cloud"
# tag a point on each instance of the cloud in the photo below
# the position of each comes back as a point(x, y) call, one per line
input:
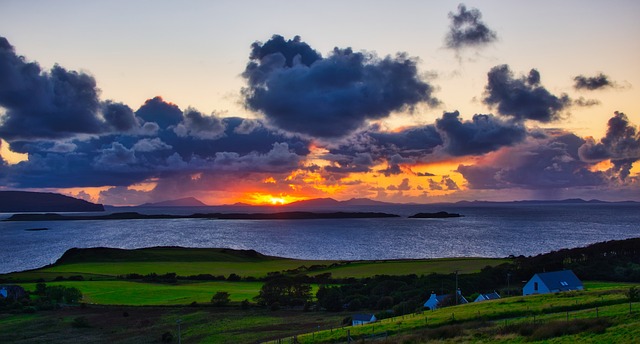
point(542, 164)
point(199, 126)
point(403, 186)
point(119, 116)
point(468, 30)
point(591, 83)
point(483, 134)
point(621, 145)
point(425, 174)
point(449, 183)
point(433, 185)
point(586, 102)
point(522, 98)
point(300, 91)
point(163, 113)
point(38, 104)
point(150, 145)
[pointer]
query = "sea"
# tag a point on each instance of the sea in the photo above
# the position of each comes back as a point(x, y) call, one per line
point(485, 230)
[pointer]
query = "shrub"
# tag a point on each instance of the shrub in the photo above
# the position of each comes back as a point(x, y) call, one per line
point(633, 294)
point(220, 299)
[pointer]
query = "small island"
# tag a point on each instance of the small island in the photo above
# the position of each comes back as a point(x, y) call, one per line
point(438, 215)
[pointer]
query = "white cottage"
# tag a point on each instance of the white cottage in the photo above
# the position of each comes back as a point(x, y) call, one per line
point(486, 297)
point(436, 301)
point(361, 319)
point(552, 282)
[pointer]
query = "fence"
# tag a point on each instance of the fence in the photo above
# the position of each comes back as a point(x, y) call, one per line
point(565, 313)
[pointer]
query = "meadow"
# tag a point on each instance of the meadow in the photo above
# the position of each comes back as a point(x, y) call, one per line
point(133, 311)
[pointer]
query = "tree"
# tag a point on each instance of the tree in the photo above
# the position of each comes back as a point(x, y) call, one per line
point(330, 298)
point(633, 294)
point(72, 295)
point(285, 291)
point(220, 299)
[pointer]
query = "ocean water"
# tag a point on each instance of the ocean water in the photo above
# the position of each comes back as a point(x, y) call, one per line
point(496, 230)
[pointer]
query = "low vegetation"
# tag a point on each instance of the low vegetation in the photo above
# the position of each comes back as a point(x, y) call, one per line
point(256, 297)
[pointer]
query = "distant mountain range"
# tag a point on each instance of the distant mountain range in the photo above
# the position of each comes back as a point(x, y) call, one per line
point(25, 201)
point(330, 202)
point(182, 202)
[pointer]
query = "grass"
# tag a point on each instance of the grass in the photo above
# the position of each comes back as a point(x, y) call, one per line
point(610, 301)
point(153, 294)
point(407, 267)
point(257, 269)
point(147, 324)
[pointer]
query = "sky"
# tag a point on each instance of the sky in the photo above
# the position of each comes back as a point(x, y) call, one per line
point(128, 102)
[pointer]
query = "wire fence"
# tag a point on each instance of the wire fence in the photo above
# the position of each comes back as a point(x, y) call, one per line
point(345, 335)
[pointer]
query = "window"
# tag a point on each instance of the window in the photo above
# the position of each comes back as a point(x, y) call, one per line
point(563, 283)
point(535, 286)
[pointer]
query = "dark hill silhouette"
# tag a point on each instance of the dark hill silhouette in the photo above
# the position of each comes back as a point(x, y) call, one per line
point(25, 201)
point(182, 202)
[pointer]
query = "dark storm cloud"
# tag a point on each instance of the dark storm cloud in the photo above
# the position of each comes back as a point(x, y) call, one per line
point(119, 116)
point(451, 135)
point(38, 104)
point(483, 134)
point(545, 164)
point(591, 83)
point(522, 98)
point(621, 145)
point(134, 156)
point(413, 142)
point(468, 30)
point(300, 91)
point(163, 113)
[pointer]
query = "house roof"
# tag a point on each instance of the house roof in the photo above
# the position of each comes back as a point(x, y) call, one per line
point(442, 298)
point(362, 317)
point(560, 280)
point(491, 296)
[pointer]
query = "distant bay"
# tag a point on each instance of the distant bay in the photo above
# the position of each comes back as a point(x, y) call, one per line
point(486, 230)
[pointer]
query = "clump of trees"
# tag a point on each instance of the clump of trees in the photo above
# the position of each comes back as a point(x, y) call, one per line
point(220, 299)
point(284, 291)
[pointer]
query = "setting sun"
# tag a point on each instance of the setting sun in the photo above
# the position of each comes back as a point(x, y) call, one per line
point(268, 199)
point(277, 201)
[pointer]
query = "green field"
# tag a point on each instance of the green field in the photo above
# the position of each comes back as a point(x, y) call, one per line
point(601, 299)
point(104, 264)
point(153, 294)
point(407, 267)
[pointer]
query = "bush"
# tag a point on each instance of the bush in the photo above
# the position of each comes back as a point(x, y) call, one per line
point(220, 299)
point(234, 278)
point(633, 294)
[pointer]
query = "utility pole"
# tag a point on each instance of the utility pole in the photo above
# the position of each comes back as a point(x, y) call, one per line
point(508, 280)
point(179, 337)
point(457, 286)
